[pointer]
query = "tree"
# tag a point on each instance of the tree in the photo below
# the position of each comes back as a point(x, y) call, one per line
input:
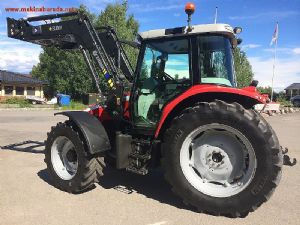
point(277, 96)
point(66, 71)
point(115, 15)
point(242, 67)
point(265, 90)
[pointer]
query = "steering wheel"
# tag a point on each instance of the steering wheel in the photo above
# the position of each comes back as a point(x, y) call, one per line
point(167, 77)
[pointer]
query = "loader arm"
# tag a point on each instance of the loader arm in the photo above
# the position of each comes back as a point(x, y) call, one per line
point(101, 49)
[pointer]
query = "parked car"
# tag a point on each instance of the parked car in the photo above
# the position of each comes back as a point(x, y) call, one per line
point(35, 100)
point(296, 101)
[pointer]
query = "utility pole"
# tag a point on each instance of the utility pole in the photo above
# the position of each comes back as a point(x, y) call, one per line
point(216, 15)
point(274, 39)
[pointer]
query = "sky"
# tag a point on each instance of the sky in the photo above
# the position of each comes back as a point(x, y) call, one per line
point(257, 18)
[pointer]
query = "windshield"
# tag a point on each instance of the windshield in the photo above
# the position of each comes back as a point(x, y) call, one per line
point(215, 59)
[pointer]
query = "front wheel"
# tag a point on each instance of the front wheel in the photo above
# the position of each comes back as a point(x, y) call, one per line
point(70, 167)
point(222, 158)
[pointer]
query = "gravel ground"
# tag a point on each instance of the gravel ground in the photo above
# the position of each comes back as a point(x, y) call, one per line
point(27, 197)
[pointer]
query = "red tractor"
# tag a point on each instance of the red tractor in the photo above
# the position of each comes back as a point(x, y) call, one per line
point(180, 110)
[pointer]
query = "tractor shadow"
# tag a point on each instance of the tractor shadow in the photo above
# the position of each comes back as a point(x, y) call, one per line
point(151, 186)
point(34, 147)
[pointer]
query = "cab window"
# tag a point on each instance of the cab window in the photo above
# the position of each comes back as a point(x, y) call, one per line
point(215, 59)
point(164, 73)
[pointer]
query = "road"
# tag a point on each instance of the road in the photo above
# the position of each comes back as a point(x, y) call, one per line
point(27, 196)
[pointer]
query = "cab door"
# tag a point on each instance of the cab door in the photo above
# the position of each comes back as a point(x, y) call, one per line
point(164, 72)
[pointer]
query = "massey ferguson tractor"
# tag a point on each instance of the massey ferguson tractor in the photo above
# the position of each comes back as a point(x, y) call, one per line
point(180, 109)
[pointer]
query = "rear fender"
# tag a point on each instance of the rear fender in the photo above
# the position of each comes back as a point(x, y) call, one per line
point(92, 129)
point(247, 97)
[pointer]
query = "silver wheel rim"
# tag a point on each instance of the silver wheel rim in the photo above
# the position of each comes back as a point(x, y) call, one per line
point(218, 160)
point(64, 158)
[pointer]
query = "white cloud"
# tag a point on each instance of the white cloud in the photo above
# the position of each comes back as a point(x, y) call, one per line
point(5, 43)
point(296, 51)
point(32, 14)
point(287, 71)
point(177, 14)
point(97, 5)
point(291, 51)
point(20, 3)
point(282, 50)
point(181, 73)
point(272, 14)
point(178, 63)
point(18, 56)
point(250, 46)
point(153, 7)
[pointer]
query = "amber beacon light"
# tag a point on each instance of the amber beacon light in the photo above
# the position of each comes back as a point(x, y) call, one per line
point(189, 10)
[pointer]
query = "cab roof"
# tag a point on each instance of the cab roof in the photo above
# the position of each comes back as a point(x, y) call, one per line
point(224, 29)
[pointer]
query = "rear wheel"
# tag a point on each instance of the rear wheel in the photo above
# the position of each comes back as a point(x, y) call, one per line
point(69, 165)
point(222, 158)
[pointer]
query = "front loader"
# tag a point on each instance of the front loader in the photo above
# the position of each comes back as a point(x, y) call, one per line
point(180, 109)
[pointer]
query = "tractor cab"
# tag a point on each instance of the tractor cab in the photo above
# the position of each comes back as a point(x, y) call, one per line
point(173, 60)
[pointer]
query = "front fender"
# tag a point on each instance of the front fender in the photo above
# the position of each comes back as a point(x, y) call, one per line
point(247, 97)
point(92, 129)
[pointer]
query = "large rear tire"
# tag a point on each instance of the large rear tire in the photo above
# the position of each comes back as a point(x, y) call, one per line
point(221, 158)
point(69, 165)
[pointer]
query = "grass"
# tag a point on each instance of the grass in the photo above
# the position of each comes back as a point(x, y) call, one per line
point(74, 105)
point(23, 103)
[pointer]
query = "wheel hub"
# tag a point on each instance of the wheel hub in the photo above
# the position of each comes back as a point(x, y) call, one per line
point(218, 163)
point(217, 157)
point(64, 158)
point(71, 156)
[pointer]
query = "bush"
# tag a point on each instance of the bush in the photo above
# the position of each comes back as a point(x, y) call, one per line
point(281, 98)
point(18, 101)
point(284, 102)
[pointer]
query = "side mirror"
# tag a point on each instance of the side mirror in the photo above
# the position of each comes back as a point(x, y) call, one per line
point(254, 83)
point(237, 30)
